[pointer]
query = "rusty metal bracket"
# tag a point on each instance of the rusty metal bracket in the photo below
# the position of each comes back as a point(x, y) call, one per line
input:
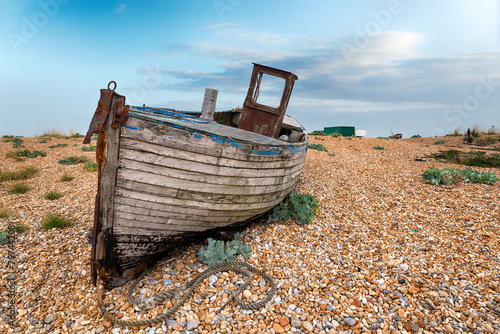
point(121, 113)
point(100, 114)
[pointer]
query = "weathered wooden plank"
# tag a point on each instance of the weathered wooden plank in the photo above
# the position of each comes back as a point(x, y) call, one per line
point(107, 186)
point(154, 222)
point(148, 211)
point(145, 135)
point(190, 206)
point(146, 188)
point(204, 168)
point(299, 154)
point(215, 199)
point(139, 203)
point(128, 234)
point(127, 164)
point(162, 223)
point(203, 144)
point(130, 256)
point(156, 227)
point(141, 146)
point(136, 201)
point(193, 186)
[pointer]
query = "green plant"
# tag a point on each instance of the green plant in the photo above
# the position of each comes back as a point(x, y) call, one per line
point(14, 155)
point(20, 229)
point(472, 176)
point(4, 238)
point(90, 166)
point(486, 141)
point(301, 207)
point(317, 133)
point(53, 195)
point(336, 135)
point(18, 174)
point(66, 177)
point(54, 221)
point(331, 154)
point(88, 148)
point(26, 154)
point(45, 140)
point(416, 136)
point(480, 159)
point(58, 145)
point(4, 235)
point(17, 143)
point(378, 147)
point(472, 158)
point(436, 176)
point(318, 147)
point(19, 188)
point(217, 251)
point(438, 142)
point(4, 214)
point(73, 160)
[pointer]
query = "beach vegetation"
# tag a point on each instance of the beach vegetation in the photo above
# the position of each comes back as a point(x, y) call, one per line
point(54, 221)
point(218, 251)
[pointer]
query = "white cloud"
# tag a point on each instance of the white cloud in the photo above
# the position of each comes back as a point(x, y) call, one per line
point(219, 26)
point(387, 75)
point(122, 7)
point(334, 106)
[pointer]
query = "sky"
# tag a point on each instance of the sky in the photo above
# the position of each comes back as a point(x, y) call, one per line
point(391, 66)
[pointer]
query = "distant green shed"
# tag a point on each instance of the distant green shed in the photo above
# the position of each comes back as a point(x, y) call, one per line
point(345, 131)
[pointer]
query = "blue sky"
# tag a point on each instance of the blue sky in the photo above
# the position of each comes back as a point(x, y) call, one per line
point(415, 67)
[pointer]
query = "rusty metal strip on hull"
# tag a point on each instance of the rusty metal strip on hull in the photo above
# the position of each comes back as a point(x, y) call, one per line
point(98, 125)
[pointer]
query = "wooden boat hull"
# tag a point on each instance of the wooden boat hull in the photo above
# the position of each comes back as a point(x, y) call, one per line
point(169, 177)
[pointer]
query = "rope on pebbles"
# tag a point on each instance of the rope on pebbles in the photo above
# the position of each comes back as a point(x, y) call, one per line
point(186, 291)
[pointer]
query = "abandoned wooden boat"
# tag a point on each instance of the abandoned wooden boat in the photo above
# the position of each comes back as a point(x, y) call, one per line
point(167, 176)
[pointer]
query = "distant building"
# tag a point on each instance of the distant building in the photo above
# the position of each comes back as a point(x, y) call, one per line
point(346, 131)
point(360, 133)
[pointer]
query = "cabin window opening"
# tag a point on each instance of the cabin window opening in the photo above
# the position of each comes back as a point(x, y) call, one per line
point(268, 90)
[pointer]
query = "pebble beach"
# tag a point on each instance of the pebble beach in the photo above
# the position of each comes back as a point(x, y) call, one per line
point(386, 253)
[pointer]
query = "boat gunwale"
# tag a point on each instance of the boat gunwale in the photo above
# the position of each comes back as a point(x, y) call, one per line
point(253, 138)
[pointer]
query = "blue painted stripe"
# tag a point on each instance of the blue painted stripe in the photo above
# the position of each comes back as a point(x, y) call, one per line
point(260, 149)
point(130, 127)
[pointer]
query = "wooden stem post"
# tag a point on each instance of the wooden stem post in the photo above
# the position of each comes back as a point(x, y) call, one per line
point(208, 107)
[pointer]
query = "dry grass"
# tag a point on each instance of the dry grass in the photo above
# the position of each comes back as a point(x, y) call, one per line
point(59, 133)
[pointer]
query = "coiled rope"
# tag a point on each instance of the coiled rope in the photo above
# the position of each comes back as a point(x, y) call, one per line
point(185, 292)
